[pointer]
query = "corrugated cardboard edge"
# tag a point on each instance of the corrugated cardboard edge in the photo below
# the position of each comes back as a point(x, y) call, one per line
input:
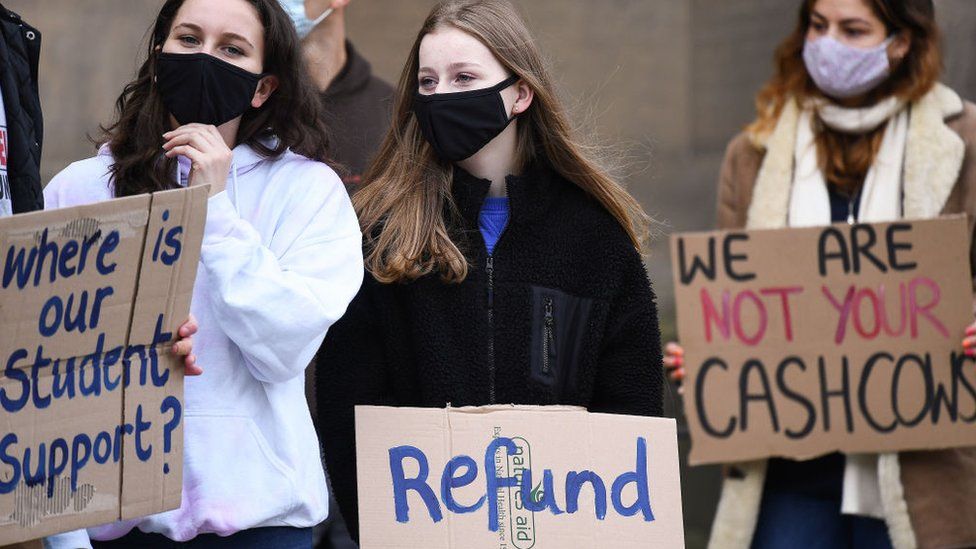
point(194, 213)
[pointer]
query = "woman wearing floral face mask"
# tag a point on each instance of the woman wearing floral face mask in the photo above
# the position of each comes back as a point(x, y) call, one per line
point(855, 127)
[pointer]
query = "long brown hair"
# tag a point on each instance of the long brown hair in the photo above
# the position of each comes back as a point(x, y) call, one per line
point(845, 159)
point(291, 113)
point(408, 189)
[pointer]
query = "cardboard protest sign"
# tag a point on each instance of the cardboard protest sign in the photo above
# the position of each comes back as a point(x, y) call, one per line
point(516, 477)
point(801, 342)
point(90, 396)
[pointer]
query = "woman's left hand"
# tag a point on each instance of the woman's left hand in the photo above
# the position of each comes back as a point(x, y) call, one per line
point(184, 347)
point(208, 151)
point(969, 343)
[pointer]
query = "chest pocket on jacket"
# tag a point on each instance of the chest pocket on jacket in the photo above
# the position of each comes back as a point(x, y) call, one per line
point(559, 323)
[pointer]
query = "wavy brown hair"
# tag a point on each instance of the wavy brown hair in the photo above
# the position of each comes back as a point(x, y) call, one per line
point(844, 158)
point(292, 113)
point(408, 188)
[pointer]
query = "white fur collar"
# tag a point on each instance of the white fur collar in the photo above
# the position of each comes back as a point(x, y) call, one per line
point(933, 159)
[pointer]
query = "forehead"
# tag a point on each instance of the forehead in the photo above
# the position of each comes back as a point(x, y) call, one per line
point(223, 16)
point(448, 45)
point(845, 9)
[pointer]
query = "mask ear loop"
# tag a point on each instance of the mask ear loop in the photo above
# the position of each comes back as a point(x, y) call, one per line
point(322, 17)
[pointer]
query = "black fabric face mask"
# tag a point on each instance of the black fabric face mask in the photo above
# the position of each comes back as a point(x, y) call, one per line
point(457, 125)
point(199, 88)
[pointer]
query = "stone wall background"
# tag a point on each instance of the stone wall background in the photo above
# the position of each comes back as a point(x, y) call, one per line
point(664, 82)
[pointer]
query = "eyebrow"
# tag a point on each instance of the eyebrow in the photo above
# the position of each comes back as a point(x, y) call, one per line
point(231, 35)
point(453, 66)
point(817, 15)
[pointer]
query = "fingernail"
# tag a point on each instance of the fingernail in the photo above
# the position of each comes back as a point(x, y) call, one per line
point(966, 343)
point(971, 353)
point(678, 361)
point(971, 330)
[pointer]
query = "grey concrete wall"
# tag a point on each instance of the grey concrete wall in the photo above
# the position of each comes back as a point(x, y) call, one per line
point(667, 82)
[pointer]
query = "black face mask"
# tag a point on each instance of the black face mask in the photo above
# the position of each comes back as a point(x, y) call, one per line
point(199, 88)
point(460, 124)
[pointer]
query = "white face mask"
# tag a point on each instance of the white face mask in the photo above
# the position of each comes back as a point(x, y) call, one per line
point(296, 10)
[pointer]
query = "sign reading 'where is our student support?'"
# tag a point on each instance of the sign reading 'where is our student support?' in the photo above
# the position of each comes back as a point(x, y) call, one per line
point(90, 394)
point(801, 342)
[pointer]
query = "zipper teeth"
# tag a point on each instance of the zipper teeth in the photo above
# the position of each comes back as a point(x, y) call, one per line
point(491, 329)
point(547, 337)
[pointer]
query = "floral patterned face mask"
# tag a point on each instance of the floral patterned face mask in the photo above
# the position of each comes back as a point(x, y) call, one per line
point(842, 71)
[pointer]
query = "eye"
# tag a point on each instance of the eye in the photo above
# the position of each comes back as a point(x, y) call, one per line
point(818, 27)
point(427, 82)
point(464, 78)
point(234, 51)
point(189, 40)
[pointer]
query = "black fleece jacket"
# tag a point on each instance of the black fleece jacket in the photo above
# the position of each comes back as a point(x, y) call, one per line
point(561, 313)
point(20, 50)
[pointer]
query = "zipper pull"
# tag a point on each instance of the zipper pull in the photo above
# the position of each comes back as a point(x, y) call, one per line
point(490, 269)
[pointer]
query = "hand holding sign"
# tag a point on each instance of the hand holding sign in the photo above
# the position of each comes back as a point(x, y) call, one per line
point(674, 363)
point(184, 347)
point(970, 342)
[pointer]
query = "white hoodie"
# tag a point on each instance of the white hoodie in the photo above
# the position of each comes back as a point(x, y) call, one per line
point(281, 260)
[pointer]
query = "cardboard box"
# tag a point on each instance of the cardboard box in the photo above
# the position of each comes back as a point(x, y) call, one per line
point(516, 477)
point(90, 396)
point(801, 342)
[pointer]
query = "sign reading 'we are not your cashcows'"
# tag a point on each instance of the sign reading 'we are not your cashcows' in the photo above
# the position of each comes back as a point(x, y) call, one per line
point(801, 342)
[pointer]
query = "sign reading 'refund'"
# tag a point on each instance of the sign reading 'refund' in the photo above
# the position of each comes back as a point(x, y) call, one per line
point(516, 477)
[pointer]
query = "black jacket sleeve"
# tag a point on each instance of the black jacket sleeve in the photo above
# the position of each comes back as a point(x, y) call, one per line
point(19, 53)
point(630, 378)
point(352, 369)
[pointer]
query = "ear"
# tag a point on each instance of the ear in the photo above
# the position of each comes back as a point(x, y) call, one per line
point(266, 87)
point(900, 45)
point(524, 99)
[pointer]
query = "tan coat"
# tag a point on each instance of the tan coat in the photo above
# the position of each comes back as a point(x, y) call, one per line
point(929, 497)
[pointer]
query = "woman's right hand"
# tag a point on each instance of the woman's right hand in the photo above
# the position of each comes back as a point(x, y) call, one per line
point(674, 363)
point(206, 149)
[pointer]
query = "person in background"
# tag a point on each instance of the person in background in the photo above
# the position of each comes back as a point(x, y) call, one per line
point(21, 124)
point(853, 127)
point(504, 263)
point(222, 101)
point(355, 103)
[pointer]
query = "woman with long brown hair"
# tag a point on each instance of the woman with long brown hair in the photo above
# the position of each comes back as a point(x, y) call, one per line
point(853, 127)
point(222, 100)
point(503, 263)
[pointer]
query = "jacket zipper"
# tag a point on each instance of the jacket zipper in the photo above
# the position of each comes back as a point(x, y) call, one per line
point(548, 338)
point(490, 269)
